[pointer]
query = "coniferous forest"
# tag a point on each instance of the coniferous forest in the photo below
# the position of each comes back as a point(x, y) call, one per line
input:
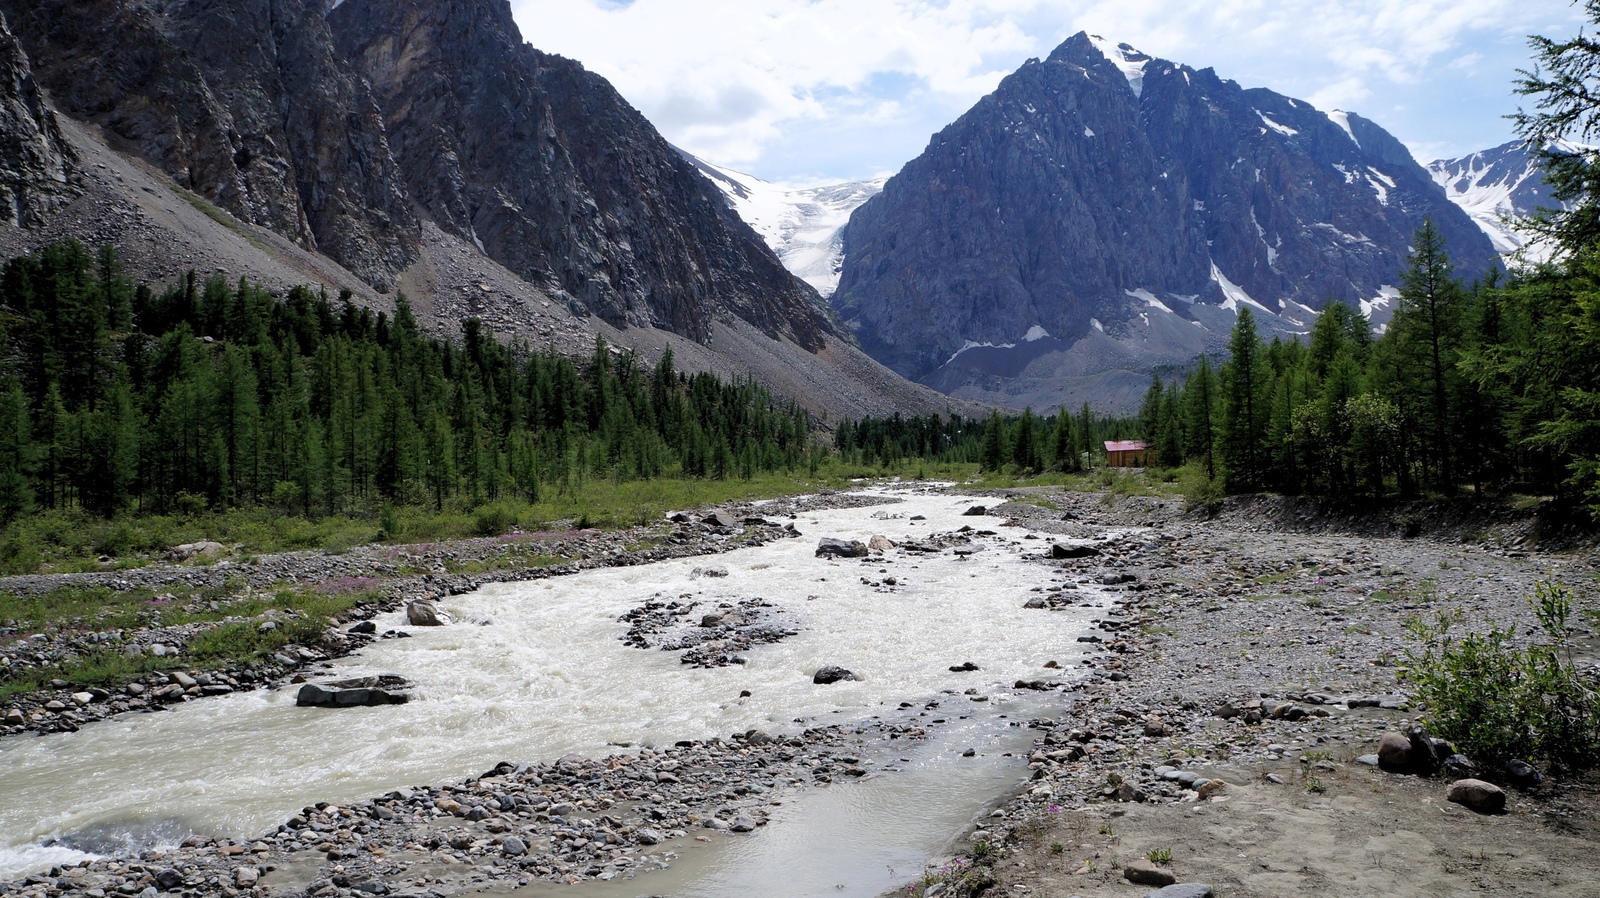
point(217, 394)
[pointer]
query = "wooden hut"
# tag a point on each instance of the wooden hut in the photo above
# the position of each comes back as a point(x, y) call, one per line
point(1129, 454)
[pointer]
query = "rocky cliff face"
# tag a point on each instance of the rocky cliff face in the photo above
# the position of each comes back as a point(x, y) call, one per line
point(553, 174)
point(38, 169)
point(1127, 206)
point(344, 126)
point(244, 103)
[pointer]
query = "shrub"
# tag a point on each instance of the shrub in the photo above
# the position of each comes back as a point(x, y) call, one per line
point(18, 554)
point(1198, 490)
point(1496, 701)
point(493, 520)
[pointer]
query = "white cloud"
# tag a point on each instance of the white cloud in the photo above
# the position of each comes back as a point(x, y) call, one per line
point(738, 81)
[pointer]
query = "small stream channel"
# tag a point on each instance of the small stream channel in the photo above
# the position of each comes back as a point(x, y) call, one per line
point(533, 671)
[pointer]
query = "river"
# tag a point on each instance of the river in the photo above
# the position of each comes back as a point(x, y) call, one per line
point(533, 671)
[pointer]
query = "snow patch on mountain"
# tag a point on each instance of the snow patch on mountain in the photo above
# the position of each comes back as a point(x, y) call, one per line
point(1498, 186)
point(1342, 119)
point(803, 225)
point(1130, 61)
point(1233, 293)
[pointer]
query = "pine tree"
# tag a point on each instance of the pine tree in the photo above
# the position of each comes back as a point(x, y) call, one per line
point(1426, 329)
point(1025, 445)
point(1064, 443)
point(994, 443)
point(16, 455)
point(1200, 397)
point(1150, 410)
point(1244, 406)
point(1086, 432)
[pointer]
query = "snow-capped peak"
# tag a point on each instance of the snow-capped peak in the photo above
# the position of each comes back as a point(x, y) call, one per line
point(1126, 58)
point(803, 225)
point(1496, 187)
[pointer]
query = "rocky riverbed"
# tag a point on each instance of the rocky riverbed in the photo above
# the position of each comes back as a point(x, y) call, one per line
point(1249, 675)
point(1245, 666)
point(398, 574)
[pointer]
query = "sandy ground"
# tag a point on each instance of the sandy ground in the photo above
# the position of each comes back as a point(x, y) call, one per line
point(1239, 608)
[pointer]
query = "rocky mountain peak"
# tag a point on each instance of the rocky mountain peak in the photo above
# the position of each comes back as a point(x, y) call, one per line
point(549, 171)
point(1127, 206)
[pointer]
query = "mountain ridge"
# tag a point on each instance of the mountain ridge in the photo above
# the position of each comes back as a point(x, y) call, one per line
point(804, 226)
point(1130, 204)
point(261, 138)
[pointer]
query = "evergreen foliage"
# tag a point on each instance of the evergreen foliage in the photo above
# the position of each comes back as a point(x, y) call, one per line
point(220, 395)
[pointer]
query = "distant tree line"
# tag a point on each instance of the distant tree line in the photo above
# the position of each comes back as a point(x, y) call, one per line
point(219, 394)
point(1026, 443)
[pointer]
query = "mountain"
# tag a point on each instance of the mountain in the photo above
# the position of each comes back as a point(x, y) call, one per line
point(38, 170)
point(1119, 209)
point(412, 145)
point(803, 225)
point(1499, 184)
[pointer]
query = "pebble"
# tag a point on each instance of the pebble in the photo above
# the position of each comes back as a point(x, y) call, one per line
point(1141, 871)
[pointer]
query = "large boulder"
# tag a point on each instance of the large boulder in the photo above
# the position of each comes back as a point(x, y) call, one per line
point(832, 547)
point(1062, 551)
point(831, 674)
point(1143, 872)
point(1477, 795)
point(384, 689)
point(200, 549)
point(422, 613)
point(1394, 752)
point(1183, 890)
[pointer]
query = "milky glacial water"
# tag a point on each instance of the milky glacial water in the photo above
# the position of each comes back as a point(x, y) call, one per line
point(533, 671)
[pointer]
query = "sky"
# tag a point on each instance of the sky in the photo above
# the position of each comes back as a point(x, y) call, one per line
point(807, 92)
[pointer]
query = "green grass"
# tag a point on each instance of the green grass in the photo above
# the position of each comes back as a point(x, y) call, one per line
point(70, 540)
point(301, 616)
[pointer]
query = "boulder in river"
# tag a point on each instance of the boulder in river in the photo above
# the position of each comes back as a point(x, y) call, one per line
point(422, 613)
point(976, 511)
point(831, 674)
point(1062, 550)
point(832, 547)
point(384, 689)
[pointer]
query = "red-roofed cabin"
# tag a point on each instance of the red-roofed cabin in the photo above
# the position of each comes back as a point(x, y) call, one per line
point(1129, 454)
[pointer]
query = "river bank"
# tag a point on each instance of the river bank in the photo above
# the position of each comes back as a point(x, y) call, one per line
point(1261, 655)
point(1193, 617)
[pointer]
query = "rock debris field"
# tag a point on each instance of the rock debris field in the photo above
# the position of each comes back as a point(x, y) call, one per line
point(1222, 741)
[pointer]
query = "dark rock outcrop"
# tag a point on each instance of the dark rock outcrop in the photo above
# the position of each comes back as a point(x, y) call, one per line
point(364, 692)
point(243, 103)
point(831, 674)
point(544, 166)
point(1106, 202)
point(37, 167)
point(833, 547)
